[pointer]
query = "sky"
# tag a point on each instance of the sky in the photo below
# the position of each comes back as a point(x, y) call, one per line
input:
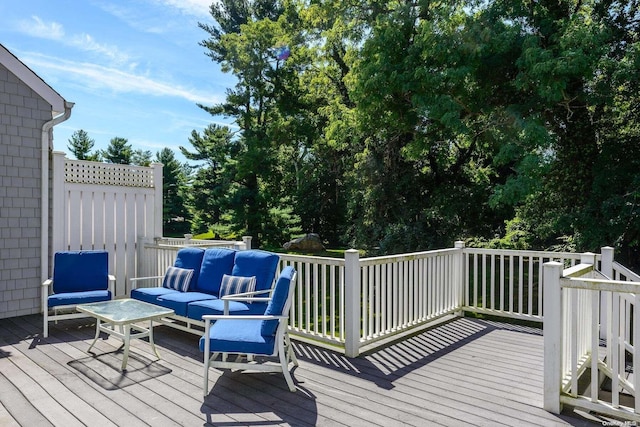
point(133, 68)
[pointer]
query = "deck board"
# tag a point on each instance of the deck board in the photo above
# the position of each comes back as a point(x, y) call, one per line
point(463, 372)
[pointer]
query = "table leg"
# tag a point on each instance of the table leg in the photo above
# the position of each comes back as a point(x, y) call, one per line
point(127, 340)
point(97, 335)
point(153, 346)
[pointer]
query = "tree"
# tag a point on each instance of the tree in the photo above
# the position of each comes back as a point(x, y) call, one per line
point(141, 157)
point(119, 151)
point(80, 145)
point(176, 219)
point(211, 188)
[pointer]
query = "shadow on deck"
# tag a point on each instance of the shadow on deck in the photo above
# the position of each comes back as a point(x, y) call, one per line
point(462, 372)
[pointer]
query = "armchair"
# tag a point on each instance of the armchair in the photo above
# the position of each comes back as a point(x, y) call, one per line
point(253, 335)
point(79, 277)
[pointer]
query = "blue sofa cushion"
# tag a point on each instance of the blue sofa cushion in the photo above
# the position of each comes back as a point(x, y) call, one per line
point(278, 301)
point(177, 278)
point(238, 336)
point(178, 301)
point(257, 263)
point(190, 258)
point(75, 298)
point(78, 271)
point(236, 285)
point(216, 263)
point(150, 295)
point(199, 308)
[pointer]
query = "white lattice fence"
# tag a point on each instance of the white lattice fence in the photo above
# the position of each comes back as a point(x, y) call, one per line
point(105, 206)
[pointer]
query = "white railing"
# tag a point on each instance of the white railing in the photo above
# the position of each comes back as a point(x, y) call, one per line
point(401, 292)
point(508, 282)
point(318, 308)
point(352, 303)
point(589, 326)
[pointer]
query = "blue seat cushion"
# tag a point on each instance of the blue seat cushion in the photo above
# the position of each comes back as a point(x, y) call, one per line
point(257, 263)
point(150, 295)
point(216, 263)
point(79, 271)
point(199, 308)
point(75, 298)
point(178, 301)
point(238, 336)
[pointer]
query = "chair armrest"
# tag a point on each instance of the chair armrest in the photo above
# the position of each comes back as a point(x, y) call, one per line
point(246, 294)
point(47, 282)
point(209, 317)
point(134, 280)
point(112, 285)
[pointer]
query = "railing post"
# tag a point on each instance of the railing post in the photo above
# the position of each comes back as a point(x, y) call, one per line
point(552, 332)
point(352, 303)
point(460, 275)
point(247, 242)
point(588, 258)
point(606, 268)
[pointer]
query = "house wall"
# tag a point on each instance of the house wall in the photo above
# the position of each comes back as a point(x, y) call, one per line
point(22, 115)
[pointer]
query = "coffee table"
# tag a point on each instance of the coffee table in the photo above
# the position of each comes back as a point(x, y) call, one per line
point(123, 313)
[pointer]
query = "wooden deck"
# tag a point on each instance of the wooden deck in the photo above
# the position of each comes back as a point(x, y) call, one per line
point(463, 372)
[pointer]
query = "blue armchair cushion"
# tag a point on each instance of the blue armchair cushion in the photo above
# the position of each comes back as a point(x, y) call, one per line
point(75, 298)
point(177, 278)
point(257, 263)
point(238, 336)
point(78, 271)
point(216, 263)
point(196, 310)
point(190, 258)
point(278, 301)
point(236, 285)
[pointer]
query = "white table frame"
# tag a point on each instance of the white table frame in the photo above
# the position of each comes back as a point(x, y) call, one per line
point(107, 322)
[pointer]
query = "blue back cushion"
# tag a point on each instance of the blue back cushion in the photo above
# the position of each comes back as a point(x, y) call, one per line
point(190, 259)
point(257, 263)
point(216, 263)
point(278, 300)
point(78, 271)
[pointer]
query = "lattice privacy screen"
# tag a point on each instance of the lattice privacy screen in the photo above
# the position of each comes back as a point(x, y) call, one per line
point(80, 172)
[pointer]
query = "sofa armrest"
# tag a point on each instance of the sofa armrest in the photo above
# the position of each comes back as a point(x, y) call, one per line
point(134, 280)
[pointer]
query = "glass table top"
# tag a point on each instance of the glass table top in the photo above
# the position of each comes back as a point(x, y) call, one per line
point(124, 310)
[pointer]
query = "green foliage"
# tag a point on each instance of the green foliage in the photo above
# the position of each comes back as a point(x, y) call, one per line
point(119, 151)
point(397, 126)
point(141, 157)
point(176, 219)
point(80, 145)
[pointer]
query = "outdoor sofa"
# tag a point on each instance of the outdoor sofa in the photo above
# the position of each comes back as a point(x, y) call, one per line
point(201, 279)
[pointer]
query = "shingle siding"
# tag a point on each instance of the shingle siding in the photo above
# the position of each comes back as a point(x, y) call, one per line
point(22, 114)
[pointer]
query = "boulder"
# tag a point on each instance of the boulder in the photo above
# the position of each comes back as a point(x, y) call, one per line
point(308, 243)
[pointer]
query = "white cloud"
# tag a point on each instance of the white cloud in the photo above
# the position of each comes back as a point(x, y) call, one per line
point(106, 78)
point(36, 27)
point(199, 8)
